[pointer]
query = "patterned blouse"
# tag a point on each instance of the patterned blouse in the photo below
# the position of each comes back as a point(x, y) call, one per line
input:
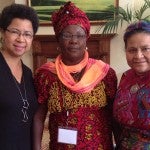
point(132, 111)
point(90, 113)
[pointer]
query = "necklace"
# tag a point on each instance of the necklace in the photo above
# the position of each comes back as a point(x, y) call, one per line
point(25, 106)
point(134, 88)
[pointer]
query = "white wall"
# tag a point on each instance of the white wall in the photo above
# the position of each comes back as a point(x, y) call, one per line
point(117, 55)
point(4, 3)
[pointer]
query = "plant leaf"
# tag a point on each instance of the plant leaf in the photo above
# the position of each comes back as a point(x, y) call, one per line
point(147, 2)
point(139, 13)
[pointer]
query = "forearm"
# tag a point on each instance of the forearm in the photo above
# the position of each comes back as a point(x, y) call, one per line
point(38, 126)
point(37, 135)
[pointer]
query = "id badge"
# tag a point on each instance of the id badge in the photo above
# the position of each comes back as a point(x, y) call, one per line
point(67, 135)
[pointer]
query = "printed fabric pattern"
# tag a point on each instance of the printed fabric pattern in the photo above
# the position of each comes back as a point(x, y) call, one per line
point(132, 111)
point(90, 113)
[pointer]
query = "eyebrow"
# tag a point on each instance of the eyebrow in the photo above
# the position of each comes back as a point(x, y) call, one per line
point(20, 30)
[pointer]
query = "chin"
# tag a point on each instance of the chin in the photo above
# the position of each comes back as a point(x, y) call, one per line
point(141, 71)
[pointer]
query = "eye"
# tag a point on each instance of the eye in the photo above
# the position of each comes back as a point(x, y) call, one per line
point(81, 36)
point(16, 32)
point(145, 49)
point(28, 35)
point(66, 35)
point(131, 50)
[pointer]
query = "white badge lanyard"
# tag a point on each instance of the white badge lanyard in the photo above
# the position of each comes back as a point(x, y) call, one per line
point(67, 135)
point(67, 117)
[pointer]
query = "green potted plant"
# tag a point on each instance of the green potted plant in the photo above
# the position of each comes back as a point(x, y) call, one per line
point(125, 15)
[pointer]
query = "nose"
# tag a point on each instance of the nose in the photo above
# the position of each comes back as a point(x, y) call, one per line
point(74, 38)
point(21, 37)
point(139, 54)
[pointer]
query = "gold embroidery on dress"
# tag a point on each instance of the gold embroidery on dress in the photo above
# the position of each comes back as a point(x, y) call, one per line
point(91, 116)
point(53, 103)
point(63, 99)
point(88, 134)
point(100, 147)
point(73, 121)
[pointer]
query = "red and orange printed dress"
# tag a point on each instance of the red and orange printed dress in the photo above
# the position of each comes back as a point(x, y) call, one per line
point(90, 113)
point(132, 111)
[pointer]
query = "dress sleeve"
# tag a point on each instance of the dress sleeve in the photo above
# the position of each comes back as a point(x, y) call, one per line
point(110, 82)
point(42, 81)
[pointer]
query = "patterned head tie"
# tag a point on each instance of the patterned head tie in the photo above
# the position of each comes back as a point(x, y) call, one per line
point(69, 14)
point(141, 26)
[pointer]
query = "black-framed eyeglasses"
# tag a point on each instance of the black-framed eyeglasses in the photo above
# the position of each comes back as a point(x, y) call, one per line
point(17, 33)
point(69, 36)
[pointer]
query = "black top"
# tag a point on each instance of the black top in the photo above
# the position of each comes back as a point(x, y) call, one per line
point(15, 115)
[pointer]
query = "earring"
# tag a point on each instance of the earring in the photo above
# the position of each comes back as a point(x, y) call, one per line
point(58, 48)
point(86, 48)
point(1, 40)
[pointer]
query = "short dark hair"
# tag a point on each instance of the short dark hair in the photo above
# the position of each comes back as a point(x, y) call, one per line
point(18, 11)
point(137, 27)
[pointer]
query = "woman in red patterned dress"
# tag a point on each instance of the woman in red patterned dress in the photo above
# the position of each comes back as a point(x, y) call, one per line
point(132, 103)
point(78, 91)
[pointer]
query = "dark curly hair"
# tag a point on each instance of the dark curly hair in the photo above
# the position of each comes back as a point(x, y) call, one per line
point(18, 11)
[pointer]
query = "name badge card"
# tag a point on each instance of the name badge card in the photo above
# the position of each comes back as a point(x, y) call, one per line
point(67, 135)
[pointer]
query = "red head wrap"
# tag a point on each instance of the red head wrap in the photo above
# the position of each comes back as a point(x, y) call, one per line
point(69, 14)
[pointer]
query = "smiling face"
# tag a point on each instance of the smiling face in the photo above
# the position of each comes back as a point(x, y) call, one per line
point(72, 42)
point(138, 52)
point(15, 39)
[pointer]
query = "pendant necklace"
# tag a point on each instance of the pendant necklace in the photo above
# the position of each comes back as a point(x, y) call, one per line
point(25, 106)
point(134, 88)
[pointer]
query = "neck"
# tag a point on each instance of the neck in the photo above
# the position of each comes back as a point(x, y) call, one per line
point(10, 59)
point(71, 63)
point(72, 60)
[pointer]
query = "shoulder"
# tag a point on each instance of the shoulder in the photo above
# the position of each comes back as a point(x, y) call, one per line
point(111, 77)
point(43, 73)
point(111, 74)
point(126, 78)
point(110, 82)
point(26, 70)
point(127, 74)
point(44, 76)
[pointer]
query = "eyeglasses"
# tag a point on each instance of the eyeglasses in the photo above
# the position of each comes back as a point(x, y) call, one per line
point(68, 36)
point(143, 50)
point(17, 33)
